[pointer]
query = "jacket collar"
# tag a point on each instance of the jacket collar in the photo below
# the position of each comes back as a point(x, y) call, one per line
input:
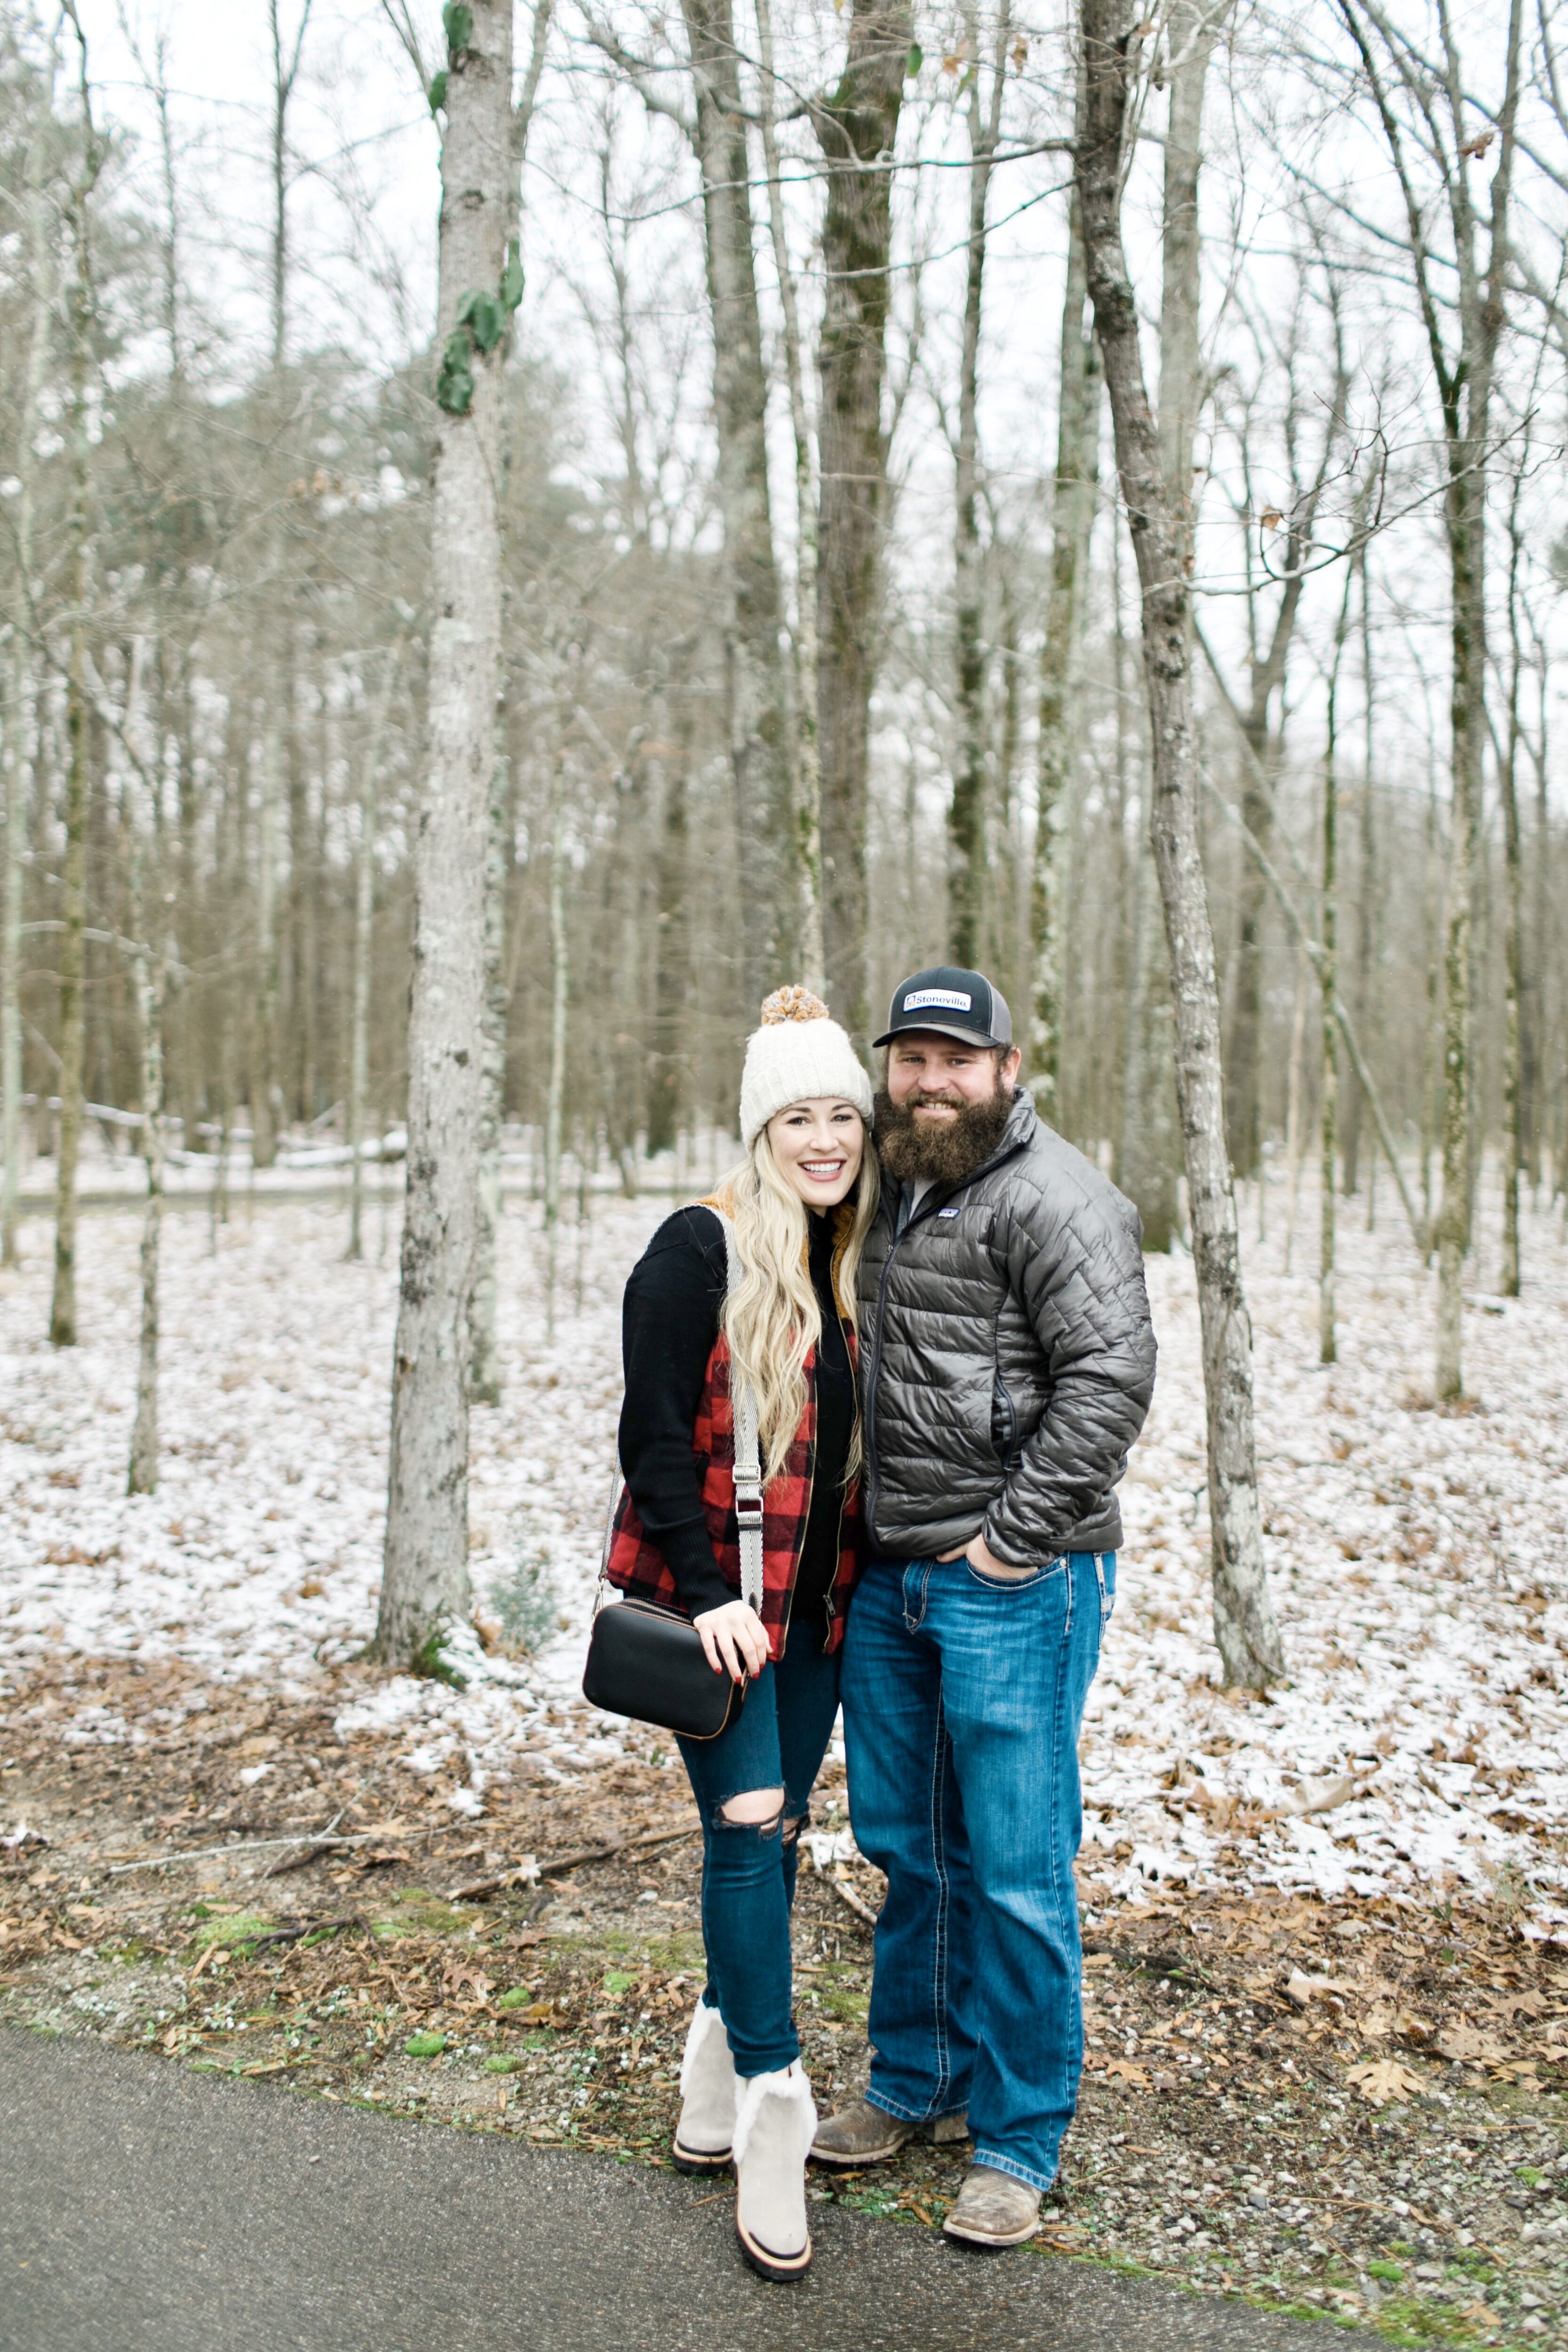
point(1022, 1121)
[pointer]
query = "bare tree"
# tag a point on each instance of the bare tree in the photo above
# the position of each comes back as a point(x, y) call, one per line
point(424, 1583)
point(1078, 402)
point(857, 127)
point(1439, 125)
point(1245, 1628)
point(150, 960)
point(806, 763)
point(81, 181)
point(20, 740)
point(966, 810)
point(757, 685)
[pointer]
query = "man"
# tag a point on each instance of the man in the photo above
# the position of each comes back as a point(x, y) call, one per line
point(1007, 1363)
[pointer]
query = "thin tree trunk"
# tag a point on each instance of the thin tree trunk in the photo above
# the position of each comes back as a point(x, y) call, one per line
point(73, 894)
point(364, 919)
point(1293, 1100)
point(1328, 978)
point(1514, 943)
point(1072, 516)
point(559, 986)
point(1245, 1627)
point(151, 971)
point(966, 812)
point(265, 1092)
point(1536, 1032)
point(672, 954)
point(22, 720)
point(807, 770)
point(484, 1347)
point(858, 125)
point(424, 1583)
point(1366, 900)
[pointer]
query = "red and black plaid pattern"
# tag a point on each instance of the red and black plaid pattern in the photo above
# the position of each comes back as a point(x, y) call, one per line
point(638, 1566)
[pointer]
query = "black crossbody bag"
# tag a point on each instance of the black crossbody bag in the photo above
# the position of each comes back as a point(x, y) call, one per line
point(648, 1663)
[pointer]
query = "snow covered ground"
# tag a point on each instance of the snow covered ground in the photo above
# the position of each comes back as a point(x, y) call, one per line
point(1419, 1562)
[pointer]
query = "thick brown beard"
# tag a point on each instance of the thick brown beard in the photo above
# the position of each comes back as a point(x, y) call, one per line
point(917, 1151)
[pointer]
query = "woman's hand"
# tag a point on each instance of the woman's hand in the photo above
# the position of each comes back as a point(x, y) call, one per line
point(732, 1638)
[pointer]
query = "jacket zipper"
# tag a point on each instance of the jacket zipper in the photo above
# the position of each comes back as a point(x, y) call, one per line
point(996, 1159)
point(1012, 1423)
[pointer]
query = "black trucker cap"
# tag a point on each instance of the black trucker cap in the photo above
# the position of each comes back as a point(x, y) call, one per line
point(954, 1002)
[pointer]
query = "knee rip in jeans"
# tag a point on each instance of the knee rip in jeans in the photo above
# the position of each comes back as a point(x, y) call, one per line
point(760, 1810)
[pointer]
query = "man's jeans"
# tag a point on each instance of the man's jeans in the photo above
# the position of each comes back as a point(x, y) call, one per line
point(962, 1699)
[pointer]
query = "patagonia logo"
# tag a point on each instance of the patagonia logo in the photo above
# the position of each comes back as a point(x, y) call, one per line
point(946, 999)
point(947, 1212)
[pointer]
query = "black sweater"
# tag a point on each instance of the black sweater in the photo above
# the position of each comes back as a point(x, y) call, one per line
point(674, 1299)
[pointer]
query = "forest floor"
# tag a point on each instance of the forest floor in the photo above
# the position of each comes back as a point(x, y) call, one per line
point(1328, 1931)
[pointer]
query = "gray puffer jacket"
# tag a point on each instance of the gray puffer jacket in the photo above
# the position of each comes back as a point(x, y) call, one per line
point(1006, 1356)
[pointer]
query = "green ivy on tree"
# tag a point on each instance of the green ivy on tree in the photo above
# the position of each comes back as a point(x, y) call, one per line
point(481, 322)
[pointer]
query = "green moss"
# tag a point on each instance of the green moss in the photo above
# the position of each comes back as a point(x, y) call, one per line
point(518, 1998)
point(242, 1928)
point(419, 1914)
point(425, 2046)
point(501, 2062)
point(1395, 2271)
point(618, 1981)
point(429, 1661)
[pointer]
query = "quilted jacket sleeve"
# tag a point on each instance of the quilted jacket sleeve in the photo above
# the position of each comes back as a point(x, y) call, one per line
point(1075, 1264)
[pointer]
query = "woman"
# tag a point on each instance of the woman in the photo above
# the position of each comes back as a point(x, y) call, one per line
point(799, 1207)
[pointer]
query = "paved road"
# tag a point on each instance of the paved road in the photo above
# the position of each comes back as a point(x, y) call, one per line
point(144, 2209)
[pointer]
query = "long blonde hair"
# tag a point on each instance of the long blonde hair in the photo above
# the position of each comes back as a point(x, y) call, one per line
point(774, 1320)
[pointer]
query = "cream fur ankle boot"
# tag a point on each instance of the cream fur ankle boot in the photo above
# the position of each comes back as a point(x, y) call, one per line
point(774, 2126)
point(709, 2090)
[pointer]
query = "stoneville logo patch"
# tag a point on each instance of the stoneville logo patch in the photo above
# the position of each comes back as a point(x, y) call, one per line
point(931, 1000)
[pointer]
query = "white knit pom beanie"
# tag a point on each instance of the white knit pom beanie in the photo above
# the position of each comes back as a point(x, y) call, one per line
point(798, 1051)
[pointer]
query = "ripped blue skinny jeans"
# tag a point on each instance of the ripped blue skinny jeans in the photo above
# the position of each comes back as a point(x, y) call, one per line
point(777, 1742)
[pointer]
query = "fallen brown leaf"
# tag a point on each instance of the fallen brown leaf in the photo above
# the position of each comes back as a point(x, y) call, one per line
point(1379, 2080)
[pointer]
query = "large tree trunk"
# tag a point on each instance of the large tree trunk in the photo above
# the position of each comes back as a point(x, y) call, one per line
point(754, 669)
point(484, 1343)
point(1245, 1628)
point(424, 1584)
point(857, 126)
point(1072, 517)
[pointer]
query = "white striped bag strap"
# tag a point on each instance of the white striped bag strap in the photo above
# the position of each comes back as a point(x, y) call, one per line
point(748, 1455)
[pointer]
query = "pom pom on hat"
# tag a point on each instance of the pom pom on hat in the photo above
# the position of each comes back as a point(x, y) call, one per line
point(793, 1004)
point(798, 1053)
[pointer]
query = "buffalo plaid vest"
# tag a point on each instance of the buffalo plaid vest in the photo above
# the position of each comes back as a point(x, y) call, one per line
point(636, 1565)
